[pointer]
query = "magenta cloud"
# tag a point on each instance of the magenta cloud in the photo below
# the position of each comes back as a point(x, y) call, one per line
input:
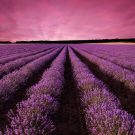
point(66, 20)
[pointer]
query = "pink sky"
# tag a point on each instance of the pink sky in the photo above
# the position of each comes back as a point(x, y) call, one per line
point(66, 19)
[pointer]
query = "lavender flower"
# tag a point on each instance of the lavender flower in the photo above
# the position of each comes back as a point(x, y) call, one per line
point(12, 82)
point(102, 110)
point(34, 113)
point(116, 71)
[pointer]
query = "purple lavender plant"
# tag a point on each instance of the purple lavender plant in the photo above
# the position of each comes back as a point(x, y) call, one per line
point(102, 112)
point(11, 82)
point(12, 65)
point(119, 73)
point(34, 114)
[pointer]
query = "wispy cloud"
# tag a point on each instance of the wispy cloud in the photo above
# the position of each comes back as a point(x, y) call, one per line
point(62, 19)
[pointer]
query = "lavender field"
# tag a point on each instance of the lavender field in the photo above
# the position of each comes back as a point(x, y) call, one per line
point(60, 89)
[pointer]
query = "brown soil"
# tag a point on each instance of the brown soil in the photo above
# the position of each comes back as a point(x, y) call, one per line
point(69, 119)
point(123, 93)
point(18, 96)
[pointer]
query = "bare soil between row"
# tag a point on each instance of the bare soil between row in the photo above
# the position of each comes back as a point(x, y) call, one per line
point(110, 61)
point(123, 93)
point(18, 96)
point(69, 119)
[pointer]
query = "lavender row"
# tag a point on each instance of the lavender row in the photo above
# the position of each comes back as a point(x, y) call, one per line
point(7, 50)
point(12, 57)
point(102, 113)
point(52, 76)
point(116, 58)
point(20, 55)
point(12, 65)
point(33, 116)
point(10, 50)
point(122, 51)
point(13, 81)
point(119, 73)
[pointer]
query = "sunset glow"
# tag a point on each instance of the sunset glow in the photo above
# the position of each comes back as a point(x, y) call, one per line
point(66, 20)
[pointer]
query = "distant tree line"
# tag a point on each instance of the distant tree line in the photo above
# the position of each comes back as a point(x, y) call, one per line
point(76, 41)
point(4, 42)
point(82, 41)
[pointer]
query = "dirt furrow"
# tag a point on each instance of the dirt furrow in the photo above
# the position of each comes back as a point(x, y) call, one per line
point(123, 93)
point(18, 96)
point(110, 61)
point(69, 119)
